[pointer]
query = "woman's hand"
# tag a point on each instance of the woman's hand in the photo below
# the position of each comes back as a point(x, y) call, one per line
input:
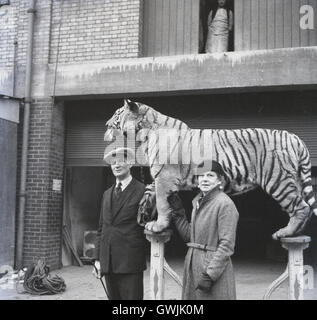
point(205, 283)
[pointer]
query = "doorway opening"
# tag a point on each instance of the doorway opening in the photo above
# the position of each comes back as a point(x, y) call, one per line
point(206, 6)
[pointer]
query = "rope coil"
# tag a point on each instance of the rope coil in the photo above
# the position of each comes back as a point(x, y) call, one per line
point(38, 281)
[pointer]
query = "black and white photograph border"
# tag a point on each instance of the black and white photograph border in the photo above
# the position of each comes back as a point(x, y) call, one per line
point(158, 150)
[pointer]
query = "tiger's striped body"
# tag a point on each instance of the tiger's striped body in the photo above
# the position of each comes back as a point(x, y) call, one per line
point(256, 156)
point(277, 161)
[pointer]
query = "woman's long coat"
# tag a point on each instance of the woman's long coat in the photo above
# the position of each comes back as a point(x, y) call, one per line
point(213, 224)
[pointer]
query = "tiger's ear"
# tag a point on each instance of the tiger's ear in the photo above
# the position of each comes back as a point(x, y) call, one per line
point(132, 106)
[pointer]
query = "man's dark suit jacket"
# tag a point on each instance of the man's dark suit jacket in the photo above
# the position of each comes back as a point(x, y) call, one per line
point(120, 239)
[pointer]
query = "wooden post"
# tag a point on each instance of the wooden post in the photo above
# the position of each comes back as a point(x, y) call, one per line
point(295, 247)
point(157, 262)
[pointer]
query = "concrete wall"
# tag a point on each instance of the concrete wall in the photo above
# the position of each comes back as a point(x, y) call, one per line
point(9, 119)
point(8, 152)
point(223, 72)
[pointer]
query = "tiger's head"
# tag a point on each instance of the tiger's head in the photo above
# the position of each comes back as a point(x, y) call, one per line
point(131, 116)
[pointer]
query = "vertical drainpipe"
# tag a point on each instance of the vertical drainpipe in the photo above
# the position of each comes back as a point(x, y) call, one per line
point(26, 121)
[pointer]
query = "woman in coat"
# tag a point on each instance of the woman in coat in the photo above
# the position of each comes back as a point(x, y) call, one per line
point(210, 237)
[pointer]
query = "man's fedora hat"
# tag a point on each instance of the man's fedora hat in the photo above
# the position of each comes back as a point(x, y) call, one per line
point(120, 154)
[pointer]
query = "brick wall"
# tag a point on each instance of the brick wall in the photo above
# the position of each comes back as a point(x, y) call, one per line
point(43, 215)
point(7, 35)
point(86, 30)
point(93, 30)
point(13, 33)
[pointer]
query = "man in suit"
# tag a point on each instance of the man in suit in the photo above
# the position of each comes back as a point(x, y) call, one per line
point(121, 245)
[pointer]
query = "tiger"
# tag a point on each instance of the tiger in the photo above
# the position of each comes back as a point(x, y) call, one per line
point(277, 161)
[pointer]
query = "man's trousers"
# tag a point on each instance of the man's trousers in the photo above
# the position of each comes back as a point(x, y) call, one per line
point(126, 286)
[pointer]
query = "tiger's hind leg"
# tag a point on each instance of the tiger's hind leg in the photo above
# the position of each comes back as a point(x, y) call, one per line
point(280, 182)
point(286, 191)
point(302, 227)
point(295, 226)
point(299, 212)
point(308, 195)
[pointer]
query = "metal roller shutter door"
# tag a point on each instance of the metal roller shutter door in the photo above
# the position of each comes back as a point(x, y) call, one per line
point(303, 126)
point(85, 145)
point(86, 120)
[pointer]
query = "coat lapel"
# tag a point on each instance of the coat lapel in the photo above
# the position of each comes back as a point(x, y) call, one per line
point(196, 209)
point(126, 194)
point(193, 218)
point(107, 205)
point(210, 195)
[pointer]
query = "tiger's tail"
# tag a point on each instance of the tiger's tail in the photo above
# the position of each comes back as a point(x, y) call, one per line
point(305, 177)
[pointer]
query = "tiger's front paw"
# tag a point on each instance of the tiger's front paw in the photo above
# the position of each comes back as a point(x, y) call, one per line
point(149, 226)
point(156, 226)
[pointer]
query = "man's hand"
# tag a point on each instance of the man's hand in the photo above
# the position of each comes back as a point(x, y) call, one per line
point(149, 188)
point(175, 201)
point(205, 283)
point(148, 199)
point(96, 270)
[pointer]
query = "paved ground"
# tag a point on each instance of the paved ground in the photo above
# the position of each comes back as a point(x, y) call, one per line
point(252, 280)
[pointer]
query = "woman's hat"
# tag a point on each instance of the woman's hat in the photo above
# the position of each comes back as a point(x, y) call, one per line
point(216, 167)
point(209, 165)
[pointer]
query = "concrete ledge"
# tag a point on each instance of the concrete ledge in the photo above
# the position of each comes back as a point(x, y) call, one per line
point(9, 110)
point(231, 71)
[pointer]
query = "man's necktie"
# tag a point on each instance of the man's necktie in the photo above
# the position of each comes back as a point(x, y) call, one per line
point(118, 190)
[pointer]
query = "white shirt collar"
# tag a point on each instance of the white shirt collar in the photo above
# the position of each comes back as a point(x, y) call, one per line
point(124, 182)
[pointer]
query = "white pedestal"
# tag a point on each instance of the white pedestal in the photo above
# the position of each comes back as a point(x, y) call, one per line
point(295, 268)
point(295, 247)
point(157, 262)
